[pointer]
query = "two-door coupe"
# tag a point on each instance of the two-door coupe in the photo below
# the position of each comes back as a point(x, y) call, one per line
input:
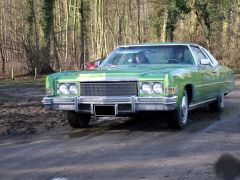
point(173, 77)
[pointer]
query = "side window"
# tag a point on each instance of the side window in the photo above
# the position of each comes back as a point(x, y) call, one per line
point(211, 57)
point(198, 53)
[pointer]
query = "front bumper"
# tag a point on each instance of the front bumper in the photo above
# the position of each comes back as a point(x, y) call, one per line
point(122, 105)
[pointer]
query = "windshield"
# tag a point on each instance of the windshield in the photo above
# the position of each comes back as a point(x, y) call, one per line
point(163, 54)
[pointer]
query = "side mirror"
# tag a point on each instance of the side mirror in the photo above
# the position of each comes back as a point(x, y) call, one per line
point(99, 62)
point(204, 61)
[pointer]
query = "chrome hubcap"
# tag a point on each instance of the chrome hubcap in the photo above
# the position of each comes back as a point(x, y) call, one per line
point(184, 109)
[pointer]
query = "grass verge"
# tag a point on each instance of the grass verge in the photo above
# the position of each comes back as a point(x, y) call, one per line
point(23, 81)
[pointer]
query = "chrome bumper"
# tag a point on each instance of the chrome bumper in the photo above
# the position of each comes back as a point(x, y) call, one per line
point(122, 105)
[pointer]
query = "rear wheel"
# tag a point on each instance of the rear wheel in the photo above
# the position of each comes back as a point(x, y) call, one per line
point(178, 118)
point(218, 104)
point(78, 120)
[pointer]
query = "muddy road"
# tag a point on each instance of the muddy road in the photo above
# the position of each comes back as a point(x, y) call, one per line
point(39, 144)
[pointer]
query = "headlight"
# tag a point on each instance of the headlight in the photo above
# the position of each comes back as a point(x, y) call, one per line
point(73, 89)
point(157, 88)
point(152, 87)
point(146, 88)
point(68, 88)
point(63, 89)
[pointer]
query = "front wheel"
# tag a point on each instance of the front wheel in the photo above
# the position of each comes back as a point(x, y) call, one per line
point(78, 120)
point(178, 118)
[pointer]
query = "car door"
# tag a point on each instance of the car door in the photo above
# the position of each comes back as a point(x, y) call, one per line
point(216, 72)
point(219, 74)
point(205, 85)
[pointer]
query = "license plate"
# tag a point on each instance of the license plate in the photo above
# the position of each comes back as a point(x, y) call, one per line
point(105, 110)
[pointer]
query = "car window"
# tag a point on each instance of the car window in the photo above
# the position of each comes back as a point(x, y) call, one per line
point(163, 54)
point(198, 53)
point(211, 57)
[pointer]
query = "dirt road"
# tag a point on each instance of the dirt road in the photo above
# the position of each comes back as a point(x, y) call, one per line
point(39, 144)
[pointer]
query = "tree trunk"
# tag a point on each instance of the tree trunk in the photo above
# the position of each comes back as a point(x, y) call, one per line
point(66, 32)
point(82, 38)
point(2, 58)
point(138, 21)
point(47, 19)
point(74, 31)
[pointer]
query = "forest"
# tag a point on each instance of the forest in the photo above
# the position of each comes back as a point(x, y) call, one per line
point(55, 35)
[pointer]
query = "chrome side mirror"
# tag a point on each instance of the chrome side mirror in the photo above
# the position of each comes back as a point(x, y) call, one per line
point(204, 61)
point(98, 63)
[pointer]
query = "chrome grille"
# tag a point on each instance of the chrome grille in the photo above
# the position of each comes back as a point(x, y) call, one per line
point(108, 88)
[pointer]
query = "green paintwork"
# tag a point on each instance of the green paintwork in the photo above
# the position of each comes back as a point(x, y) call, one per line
point(206, 82)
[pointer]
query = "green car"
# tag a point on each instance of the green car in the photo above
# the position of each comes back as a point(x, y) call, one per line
point(172, 77)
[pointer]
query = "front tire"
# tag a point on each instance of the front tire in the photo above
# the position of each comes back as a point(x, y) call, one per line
point(218, 104)
point(178, 118)
point(78, 120)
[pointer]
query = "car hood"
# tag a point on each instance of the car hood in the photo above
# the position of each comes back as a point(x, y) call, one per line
point(121, 73)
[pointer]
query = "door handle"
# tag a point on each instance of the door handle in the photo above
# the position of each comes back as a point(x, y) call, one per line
point(214, 71)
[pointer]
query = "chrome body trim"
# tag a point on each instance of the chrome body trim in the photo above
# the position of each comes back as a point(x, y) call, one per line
point(209, 84)
point(195, 105)
point(137, 103)
point(103, 79)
